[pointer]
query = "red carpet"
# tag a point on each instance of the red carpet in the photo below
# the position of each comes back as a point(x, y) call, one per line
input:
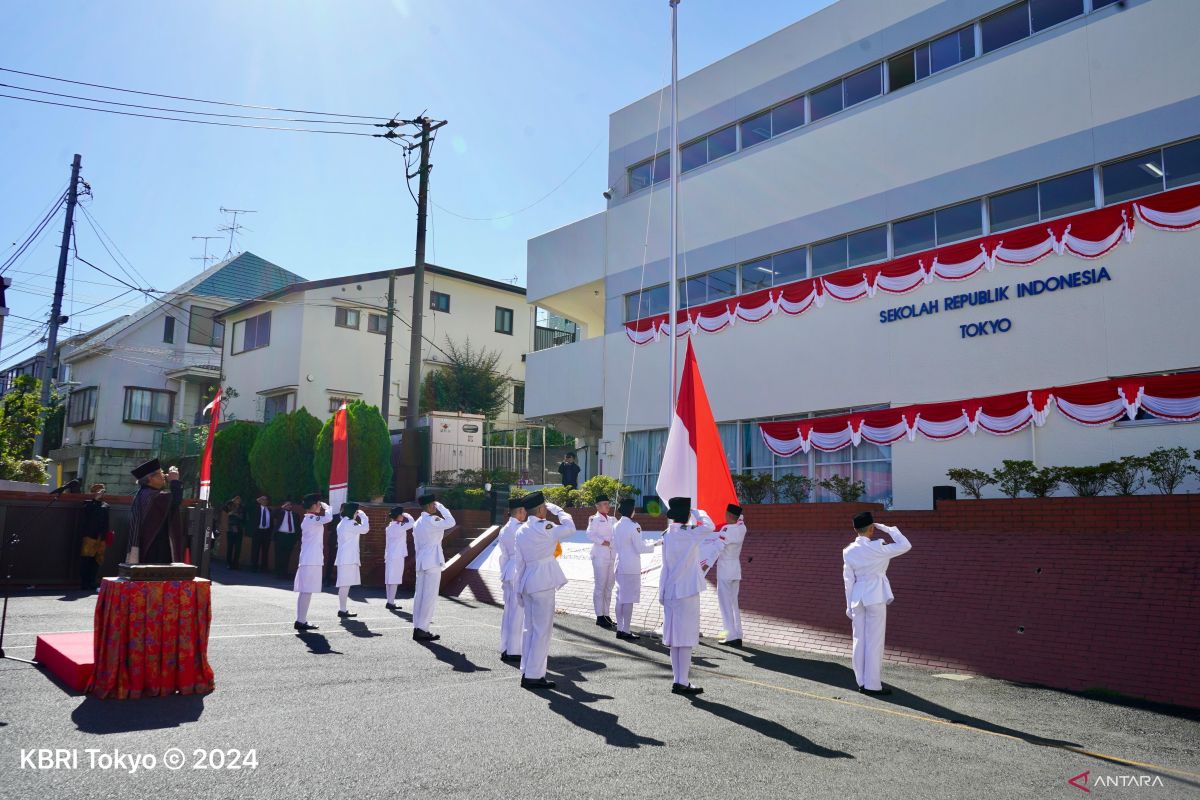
point(69, 656)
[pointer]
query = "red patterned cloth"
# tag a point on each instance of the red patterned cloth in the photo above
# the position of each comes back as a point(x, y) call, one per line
point(151, 639)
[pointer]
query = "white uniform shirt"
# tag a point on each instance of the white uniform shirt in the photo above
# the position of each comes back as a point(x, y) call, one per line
point(428, 532)
point(536, 541)
point(864, 571)
point(729, 565)
point(396, 546)
point(599, 531)
point(510, 557)
point(681, 574)
point(629, 545)
point(312, 537)
point(348, 531)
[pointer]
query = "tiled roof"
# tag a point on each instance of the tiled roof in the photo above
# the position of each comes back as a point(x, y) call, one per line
point(244, 277)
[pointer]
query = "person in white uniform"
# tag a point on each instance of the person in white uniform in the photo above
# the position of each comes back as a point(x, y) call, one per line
point(729, 574)
point(868, 594)
point(394, 552)
point(432, 526)
point(512, 622)
point(600, 533)
point(354, 523)
point(628, 546)
point(540, 578)
point(312, 557)
point(680, 585)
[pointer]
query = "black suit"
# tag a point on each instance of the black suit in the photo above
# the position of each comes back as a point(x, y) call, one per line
point(260, 545)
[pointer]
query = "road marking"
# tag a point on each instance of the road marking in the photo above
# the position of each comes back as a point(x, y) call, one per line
point(884, 710)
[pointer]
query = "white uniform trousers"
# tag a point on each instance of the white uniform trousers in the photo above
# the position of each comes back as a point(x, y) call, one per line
point(539, 625)
point(868, 624)
point(604, 577)
point(731, 615)
point(425, 597)
point(512, 622)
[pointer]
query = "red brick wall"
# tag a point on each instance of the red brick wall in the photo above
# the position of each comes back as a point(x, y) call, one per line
point(1073, 593)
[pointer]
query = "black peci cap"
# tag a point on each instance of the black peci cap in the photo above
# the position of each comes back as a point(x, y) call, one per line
point(863, 520)
point(147, 468)
point(678, 509)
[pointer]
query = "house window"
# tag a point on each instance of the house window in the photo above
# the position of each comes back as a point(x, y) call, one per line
point(377, 323)
point(252, 333)
point(335, 402)
point(439, 301)
point(148, 406)
point(81, 407)
point(169, 329)
point(504, 320)
point(276, 404)
point(203, 329)
point(346, 317)
point(518, 398)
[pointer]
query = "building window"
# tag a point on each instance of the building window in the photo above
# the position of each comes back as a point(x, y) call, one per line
point(863, 85)
point(377, 323)
point(829, 256)
point(867, 246)
point(959, 222)
point(276, 404)
point(1132, 177)
point(203, 329)
point(913, 235)
point(1013, 209)
point(1067, 194)
point(169, 329)
point(1046, 13)
point(653, 170)
point(902, 69)
point(951, 49)
point(781, 119)
point(81, 406)
point(706, 288)
point(335, 402)
point(647, 303)
point(781, 268)
point(1008, 26)
point(518, 398)
point(826, 101)
point(504, 320)
point(346, 317)
point(869, 463)
point(710, 148)
point(439, 301)
point(1102, 3)
point(148, 406)
point(252, 333)
point(1182, 164)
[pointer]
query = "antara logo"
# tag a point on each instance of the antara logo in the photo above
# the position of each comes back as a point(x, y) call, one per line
point(1081, 780)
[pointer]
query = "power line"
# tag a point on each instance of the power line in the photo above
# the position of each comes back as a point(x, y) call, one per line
point(192, 121)
point(96, 224)
point(35, 235)
point(183, 110)
point(187, 99)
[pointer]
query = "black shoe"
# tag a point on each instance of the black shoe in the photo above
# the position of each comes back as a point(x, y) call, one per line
point(732, 643)
point(610, 622)
point(424, 636)
point(628, 637)
point(515, 657)
point(304, 626)
point(679, 688)
point(539, 683)
point(346, 614)
point(875, 692)
point(391, 606)
point(604, 622)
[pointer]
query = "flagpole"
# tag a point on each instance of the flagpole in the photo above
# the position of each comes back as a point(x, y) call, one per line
point(673, 236)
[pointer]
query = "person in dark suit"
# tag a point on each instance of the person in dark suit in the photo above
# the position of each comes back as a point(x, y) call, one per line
point(232, 513)
point(94, 528)
point(155, 521)
point(569, 471)
point(287, 529)
point(260, 545)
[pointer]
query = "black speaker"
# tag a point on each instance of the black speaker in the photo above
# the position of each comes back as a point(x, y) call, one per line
point(944, 493)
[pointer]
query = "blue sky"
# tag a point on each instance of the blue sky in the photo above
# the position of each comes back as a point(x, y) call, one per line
point(527, 86)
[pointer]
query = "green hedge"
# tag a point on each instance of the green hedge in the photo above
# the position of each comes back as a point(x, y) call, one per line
point(370, 448)
point(231, 473)
point(281, 460)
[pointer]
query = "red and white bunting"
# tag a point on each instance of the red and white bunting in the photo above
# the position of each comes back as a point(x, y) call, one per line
point(1173, 397)
point(1088, 235)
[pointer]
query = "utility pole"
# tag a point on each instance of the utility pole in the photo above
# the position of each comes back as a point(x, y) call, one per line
point(418, 312)
point(50, 363)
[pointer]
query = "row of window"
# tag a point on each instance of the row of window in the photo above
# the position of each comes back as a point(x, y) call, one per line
point(202, 329)
point(1115, 182)
point(142, 406)
point(351, 317)
point(1002, 28)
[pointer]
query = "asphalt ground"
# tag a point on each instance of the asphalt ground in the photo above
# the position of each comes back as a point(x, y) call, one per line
point(358, 709)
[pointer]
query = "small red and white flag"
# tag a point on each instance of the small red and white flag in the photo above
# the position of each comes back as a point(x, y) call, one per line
point(339, 467)
point(694, 463)
point(213, 409)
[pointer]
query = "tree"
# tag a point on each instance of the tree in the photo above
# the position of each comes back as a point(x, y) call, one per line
point(1086, 481)
point(1042, 482)
point(791, 488)
point(972, 481)
point(281, 460)
point(21, 416)
point(231, 473)
point(1168, 467)
point(848, 491)
point(1013, 476)
point(468, 382)
point(753, 488)
point(605, 485)
point(1126, 476)
point(370, 448)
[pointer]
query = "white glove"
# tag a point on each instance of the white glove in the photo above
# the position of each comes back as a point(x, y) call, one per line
point(850, 613)
point(133, 555)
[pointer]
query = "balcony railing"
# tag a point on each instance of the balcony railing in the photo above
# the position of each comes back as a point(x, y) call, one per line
point(545, 338)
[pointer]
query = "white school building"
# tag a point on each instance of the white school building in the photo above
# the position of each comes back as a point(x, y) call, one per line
point(889, 204)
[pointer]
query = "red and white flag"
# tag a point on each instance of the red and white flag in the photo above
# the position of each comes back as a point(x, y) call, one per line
point(339, 467)
point(694, 463)
point(213, 409)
